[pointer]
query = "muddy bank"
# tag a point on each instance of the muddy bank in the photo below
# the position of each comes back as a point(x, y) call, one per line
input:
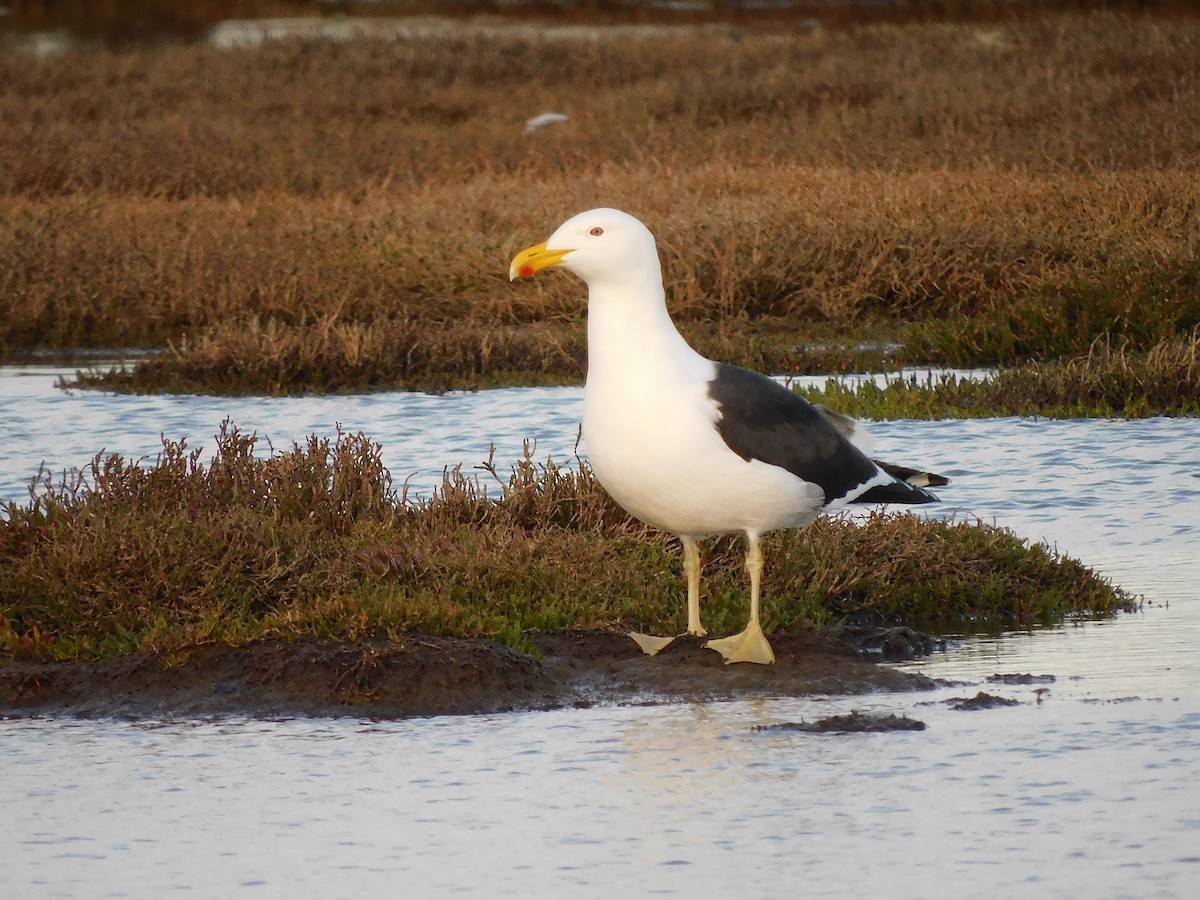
point(428, 676)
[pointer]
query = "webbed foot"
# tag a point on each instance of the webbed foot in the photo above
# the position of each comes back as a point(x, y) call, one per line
point(649, 643)
point(748, 646)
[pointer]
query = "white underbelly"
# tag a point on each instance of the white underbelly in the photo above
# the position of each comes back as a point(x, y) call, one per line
point(665, 462)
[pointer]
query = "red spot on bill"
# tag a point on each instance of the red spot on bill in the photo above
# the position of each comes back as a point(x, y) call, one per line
point(526, 271)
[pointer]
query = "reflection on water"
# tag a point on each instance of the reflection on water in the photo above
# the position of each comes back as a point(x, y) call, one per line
point(1081, 794)
point(1067, 799)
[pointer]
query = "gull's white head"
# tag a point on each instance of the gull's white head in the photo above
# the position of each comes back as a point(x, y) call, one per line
point(598, 245)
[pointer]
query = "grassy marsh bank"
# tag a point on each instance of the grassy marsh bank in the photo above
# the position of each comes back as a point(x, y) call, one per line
point(1110, 380)
point(310, 215)
point(314, 543)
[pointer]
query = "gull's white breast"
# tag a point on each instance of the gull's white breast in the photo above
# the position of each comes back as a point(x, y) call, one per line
point(650, 434)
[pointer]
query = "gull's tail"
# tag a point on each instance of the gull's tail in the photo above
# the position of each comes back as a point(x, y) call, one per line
point(909, 487)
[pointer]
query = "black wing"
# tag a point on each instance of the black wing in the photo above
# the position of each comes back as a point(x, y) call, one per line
point(761, 419)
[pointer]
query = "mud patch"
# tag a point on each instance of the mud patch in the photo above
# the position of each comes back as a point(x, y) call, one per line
point(982, 700)
point(895, 643)
point(1021, 678)
point(854, 723)
point(429, 676)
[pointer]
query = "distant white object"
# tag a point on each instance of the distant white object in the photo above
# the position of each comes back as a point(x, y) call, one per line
point(543, 120)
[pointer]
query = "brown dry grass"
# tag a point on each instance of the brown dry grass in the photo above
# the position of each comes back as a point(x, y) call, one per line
point(789, 243)
point(797, 183)
point(1088, 93)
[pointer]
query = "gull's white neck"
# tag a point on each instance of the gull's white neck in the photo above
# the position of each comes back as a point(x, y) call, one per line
point(630, 333)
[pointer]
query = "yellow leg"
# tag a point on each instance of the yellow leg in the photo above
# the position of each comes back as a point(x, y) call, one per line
point(750, 645)
point(691, 566)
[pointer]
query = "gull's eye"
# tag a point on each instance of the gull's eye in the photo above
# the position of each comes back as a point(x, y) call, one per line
point(596, 232)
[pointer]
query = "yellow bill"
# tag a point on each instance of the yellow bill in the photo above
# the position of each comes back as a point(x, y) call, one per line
point(533, 259)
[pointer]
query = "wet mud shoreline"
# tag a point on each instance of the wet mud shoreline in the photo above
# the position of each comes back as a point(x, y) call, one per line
point(431, 676)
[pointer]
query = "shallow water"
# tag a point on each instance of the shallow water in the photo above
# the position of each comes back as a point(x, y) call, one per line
point(1066, 799)
point(1083, 793)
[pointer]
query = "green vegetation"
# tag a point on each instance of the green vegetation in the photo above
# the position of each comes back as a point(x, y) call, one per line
point(314, 541)
point(1109, 381)
point(1140, 309)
